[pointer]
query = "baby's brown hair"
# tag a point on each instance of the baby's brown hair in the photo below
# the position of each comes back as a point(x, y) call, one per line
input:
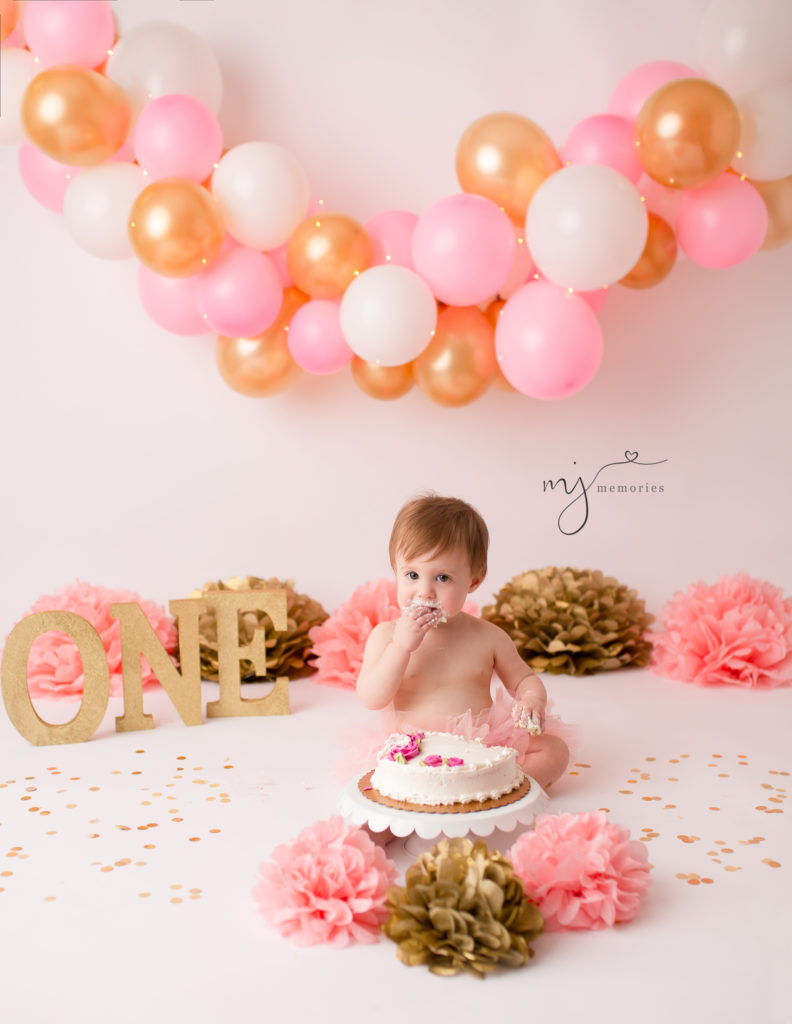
point(430, 524)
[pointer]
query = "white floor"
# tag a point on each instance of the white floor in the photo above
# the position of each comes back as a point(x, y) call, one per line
point(127, 865)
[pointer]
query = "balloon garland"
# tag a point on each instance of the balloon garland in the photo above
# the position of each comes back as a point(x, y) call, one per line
point(500, 283)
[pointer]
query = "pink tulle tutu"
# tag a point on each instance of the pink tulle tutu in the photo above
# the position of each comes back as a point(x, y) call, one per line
point(494, 726)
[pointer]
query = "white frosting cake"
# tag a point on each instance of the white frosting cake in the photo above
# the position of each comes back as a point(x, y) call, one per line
point(438, 769)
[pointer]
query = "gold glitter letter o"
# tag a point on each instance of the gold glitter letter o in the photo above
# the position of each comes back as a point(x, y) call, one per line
point(16, 696)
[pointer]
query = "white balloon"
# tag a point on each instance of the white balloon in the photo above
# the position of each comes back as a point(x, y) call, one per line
point(388, 315)
point(96, 208)
point(264, 193)
point(744, 44)
point(766, 133)
point(586, 227)
point(17, 70)
point(159, 58)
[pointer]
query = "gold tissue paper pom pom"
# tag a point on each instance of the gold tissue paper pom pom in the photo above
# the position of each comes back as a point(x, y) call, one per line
point(576, 621)
point(288, 652)
point(462, 909)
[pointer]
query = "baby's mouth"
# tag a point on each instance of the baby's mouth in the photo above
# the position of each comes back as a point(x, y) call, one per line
point(433, 606)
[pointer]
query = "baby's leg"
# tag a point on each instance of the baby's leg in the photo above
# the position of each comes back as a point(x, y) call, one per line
point(546, 760)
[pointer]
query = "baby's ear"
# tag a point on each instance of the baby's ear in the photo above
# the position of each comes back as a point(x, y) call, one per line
point(476, 582)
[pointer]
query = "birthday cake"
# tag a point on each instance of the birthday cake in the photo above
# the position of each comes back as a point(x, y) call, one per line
point(441, 771)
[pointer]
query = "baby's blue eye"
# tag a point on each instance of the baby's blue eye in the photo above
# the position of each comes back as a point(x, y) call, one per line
point(412, 575)
point(443, 578)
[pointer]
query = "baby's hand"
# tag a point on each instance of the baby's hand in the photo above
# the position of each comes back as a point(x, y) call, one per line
point(412, 627)
point(529, 715)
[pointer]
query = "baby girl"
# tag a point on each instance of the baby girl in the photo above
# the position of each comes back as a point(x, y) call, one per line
point(433, 666)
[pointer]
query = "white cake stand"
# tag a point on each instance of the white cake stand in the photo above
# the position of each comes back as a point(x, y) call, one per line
point(357, 809)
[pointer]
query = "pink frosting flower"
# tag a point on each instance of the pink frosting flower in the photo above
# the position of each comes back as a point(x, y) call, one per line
point(55, 667)
point(738, 631)
point(432, 760)
point(581, 871)
point(340, 641)
point(327, 885)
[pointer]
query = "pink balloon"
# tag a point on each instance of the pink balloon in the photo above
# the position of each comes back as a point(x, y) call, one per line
point(177, 137)
point(391, 237)
point(79, 32)
point(44, 178)
point(463, 247)
point(721, 224)
point(548, 343)
point(315, 339)
point(521, 269)
point(659, 199)
point(604, 139)
point(636, 87)
point(17, 38)
point(595, 300)
point(240, 294)
point(172, 302)
point(278, 257)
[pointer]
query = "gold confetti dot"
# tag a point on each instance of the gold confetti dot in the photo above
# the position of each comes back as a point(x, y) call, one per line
point(123, 862)
point(49, 899)
point(771, 863)
point(196, 890)
point(673, 760)
point(723, 775)
point(177, 899)
point(625, 791)
point(694, 881)
point(107, 867)
point(731, 867)
point(605, 809)
point(6, 874)
point(177, 819)
point(231, 766)
point(176, 887)
point(713, 808)
point(181, 757)
point(568, 773)
point(582, 764)
point(195, 839)
point(707, 881)
point(214, 831)
point(144, 895)
point(149, 846)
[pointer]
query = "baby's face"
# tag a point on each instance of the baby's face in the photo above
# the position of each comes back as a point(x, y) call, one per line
point(444, 580)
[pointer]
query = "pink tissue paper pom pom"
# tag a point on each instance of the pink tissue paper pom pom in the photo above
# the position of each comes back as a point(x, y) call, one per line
point(326, 886)
point(340, 641)
point(581, 870)
point(55, 668)
point(737, 631)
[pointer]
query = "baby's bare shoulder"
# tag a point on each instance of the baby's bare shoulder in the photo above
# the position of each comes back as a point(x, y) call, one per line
point(484, 631)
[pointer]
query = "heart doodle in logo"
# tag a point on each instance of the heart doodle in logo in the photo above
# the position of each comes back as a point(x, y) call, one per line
point(631, 456)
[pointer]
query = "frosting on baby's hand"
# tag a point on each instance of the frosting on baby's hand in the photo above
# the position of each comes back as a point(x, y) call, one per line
point(528, 720)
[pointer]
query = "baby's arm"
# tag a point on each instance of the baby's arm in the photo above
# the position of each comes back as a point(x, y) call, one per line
point(521, 681)
point(387, 655)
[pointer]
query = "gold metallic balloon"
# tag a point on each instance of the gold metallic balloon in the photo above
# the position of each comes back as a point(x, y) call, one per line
point(8, 18)
point(687, 133)
point(459, 363)
point(75, 116)
point(326, 253)
point(263, 365)
point(492, 312)
point(505, 157)
point(777, 196)
point(383, 382)
point(176, 227)
point(658, 258)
